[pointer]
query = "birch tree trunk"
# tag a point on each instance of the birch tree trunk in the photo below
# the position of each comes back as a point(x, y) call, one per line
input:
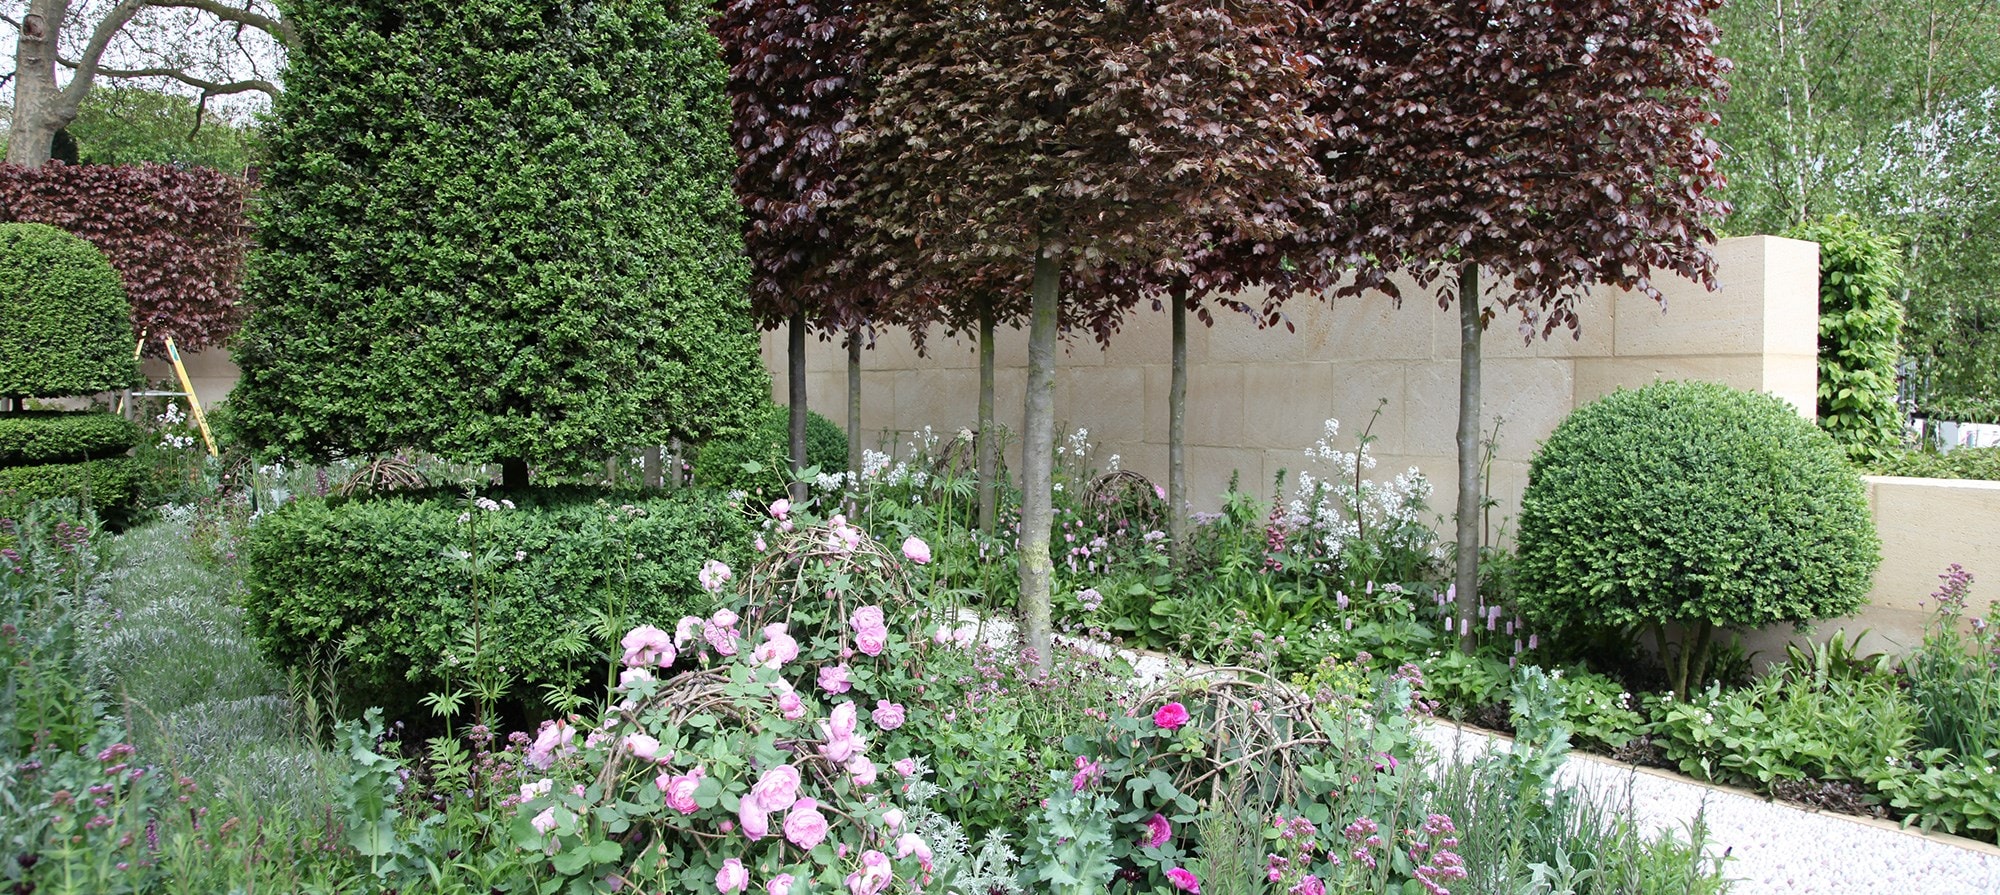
point(1038, 459)
point(1466, 579)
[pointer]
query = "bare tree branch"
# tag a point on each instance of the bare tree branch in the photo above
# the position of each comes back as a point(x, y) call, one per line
point(11, 21)
point(208, 88)
point(278, 28)
point(72, 93)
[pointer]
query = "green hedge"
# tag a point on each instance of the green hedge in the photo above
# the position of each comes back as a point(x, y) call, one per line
point(38, 436)
point(1961, 463)
point(111, 486)
point(377, 575)
point(65, 326)
point(1692, 503)
point(1859, 320)
point(719, 462)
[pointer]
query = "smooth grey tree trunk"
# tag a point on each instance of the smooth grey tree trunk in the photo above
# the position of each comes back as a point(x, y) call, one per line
point(854, 401)
point(1177, 515)
point(989, 443)
point(1466, 577)
point(650, 465)
point(795, 381)
point(38, 111)
point(1038, 459)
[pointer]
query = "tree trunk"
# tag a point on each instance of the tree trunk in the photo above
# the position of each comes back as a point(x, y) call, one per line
point(854, 402)
point(37, 102)
point(513, 472)
point(1467, 578)
point(1177, 516)
point(795, 378)
point(989, 446)
point(1038, 459)
point(650, 466)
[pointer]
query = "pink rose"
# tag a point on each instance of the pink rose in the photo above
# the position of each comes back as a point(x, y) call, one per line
point(874, 876)
point(833, 679)
point(911, 844)
point(892, 818)
point(721, 638)
point(686, 629)
point(647, 645)
point(781, 508)
point(714, 574)
point(805, 827)
point(632, 676)
point(916, 550)
point(888, 715)
point(1158, 831)
point(545, 822)
point(756, 823)
point(679, 790)
point(642, 746)
point(790, 706)
point(779, 885)
point(1184, 880)
point(872, 641)
point(906, 766)
point(776, 789)
point(553, 737)
point(862, 769)
point(733, 877)
point(777, 649)
point(1170, 716)
point(841, 743)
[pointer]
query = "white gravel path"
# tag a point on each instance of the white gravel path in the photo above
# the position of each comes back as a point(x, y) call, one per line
point(1771, 848)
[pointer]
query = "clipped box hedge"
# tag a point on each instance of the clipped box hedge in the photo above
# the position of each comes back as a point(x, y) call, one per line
point(42, 436)
point(65, 326)
point(110, 485)
point(378, 577)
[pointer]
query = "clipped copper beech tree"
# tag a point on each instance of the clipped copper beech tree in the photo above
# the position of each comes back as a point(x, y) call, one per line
point(794, 73)
point(1068, 140)
point(1557, 146)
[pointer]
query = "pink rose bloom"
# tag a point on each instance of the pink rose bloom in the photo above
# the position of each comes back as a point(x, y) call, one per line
point(779, 885)
point(553, 737)
point(1170, 716)
point(545, 822)
point(1309, 885)
point(777, 649)
point(643, 746)
point(714, 574)
point(631, 676)
point(872, 641)
point(841, 743)
point(916, 550)
point(888, 715)
point(906, 766)
point(874, 876)
point(1158, 831)
point(733, 877)
point(776, 789)
point(1184, 880)
point(833, 679)
point(911, 844)
point(790, 706)
point(781, 508)
point(759, 544)
point(892, 818)
point(721, 638)
point(868, 617)
point(805, 827)
point(679, 790)
point(863, 770)
point(756, 823)
point(724, 618)
point(647, 645)
point(686, 629)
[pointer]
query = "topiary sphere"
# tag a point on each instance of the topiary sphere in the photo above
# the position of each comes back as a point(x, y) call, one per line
point(65, 325)
point(1692, 502)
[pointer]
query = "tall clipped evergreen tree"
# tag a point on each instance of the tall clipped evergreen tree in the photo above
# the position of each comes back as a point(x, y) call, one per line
point(500, 231)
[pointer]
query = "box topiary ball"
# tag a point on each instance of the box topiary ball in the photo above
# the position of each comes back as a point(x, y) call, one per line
point(1694, 504)
point(65, 325)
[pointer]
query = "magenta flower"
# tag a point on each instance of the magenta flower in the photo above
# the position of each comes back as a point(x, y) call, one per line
point(1087, 772)
point(733, 877)
point(1158, 830)
point(1170, 716)
point(916, 550)
point(1309, 885)
point(888, 715)
point(1184, 880)
point(679, 789)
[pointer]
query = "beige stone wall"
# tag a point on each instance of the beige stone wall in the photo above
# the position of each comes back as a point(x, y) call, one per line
point(1258, 398)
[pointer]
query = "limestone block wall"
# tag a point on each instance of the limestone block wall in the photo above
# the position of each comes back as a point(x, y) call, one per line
point(1258, 398)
